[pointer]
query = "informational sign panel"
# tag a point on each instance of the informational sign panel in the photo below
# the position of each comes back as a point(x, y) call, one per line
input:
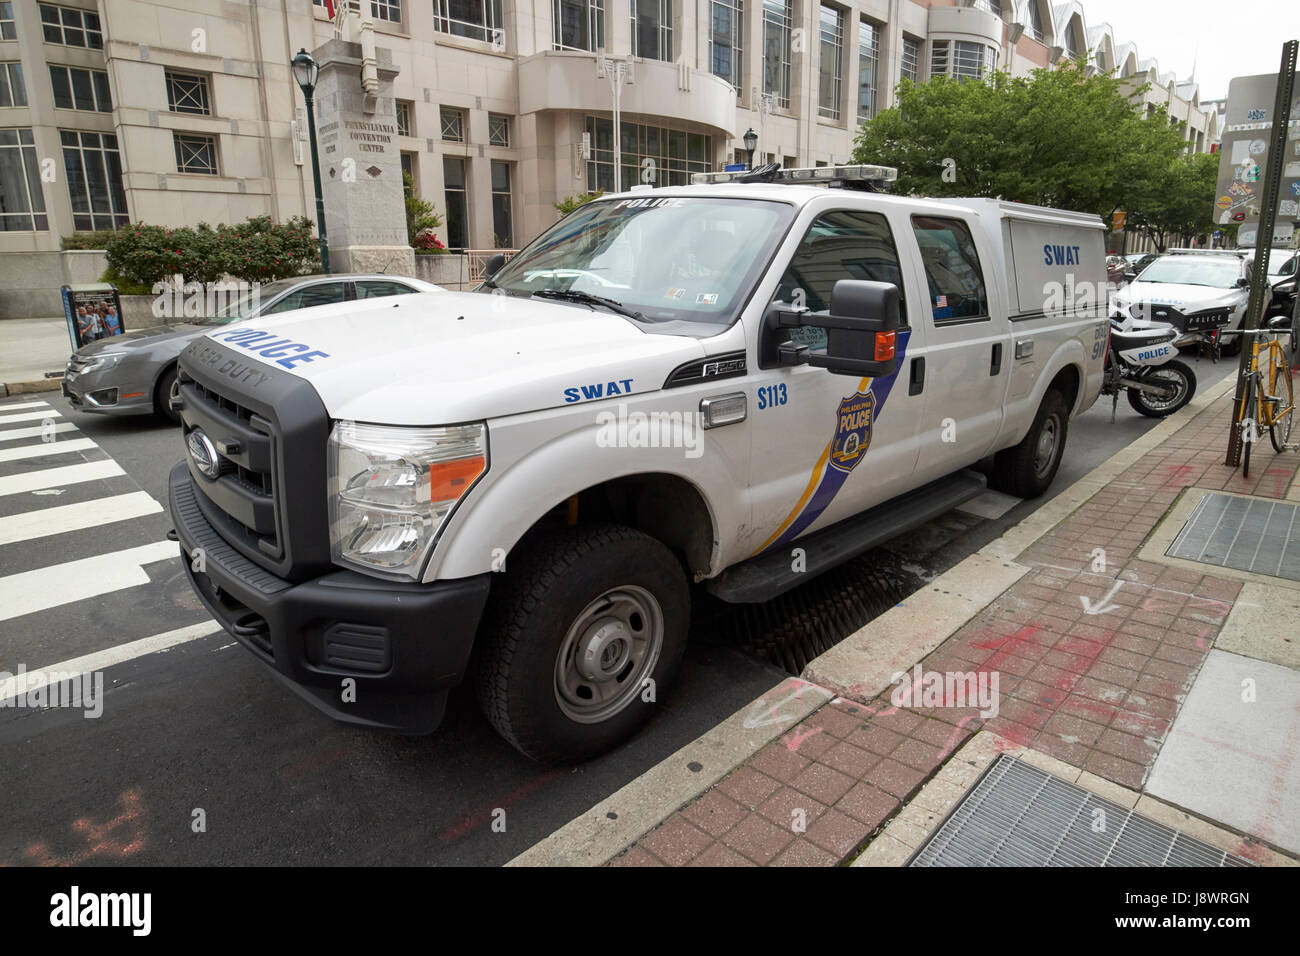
point(1248, 124)
point(93, 312)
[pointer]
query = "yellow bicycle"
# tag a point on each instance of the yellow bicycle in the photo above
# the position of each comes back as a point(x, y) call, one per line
point(1269, 401)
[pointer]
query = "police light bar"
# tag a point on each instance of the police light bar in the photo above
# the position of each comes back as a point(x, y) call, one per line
point(810, 175)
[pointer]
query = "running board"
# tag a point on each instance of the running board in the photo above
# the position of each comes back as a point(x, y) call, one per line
point(771, 574)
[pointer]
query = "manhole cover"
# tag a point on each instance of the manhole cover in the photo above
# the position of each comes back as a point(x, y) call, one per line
point(1248, 534)
point(1017, 815)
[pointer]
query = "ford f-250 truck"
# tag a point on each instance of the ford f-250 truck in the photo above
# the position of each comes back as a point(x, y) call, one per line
point(736, 385)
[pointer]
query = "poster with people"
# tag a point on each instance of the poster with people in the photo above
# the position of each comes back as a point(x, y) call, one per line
point(93, 312)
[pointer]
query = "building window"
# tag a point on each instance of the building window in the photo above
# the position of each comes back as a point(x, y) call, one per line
point(13, 91)
point(1072, 41)
point(910, 68)
point(22, 204)
point(187, 93)
point(502, 226)
point(579, 24)
point(868, 64)
point(675, 154)
point(68, 27)
point(498, 129)
point(77, 89)
point(94, 173)
point(831, 78)
point(403, 109)
point(992, 6)
point(961, 59)
point(453, 125)
point(1035, 21)
point(195, 154)
point(777, 15)
point(652, 29)
point(7, 29)
point(475, 19)
point(390, 10)
point(408, 174)
point(453, 177)
point(726, 29)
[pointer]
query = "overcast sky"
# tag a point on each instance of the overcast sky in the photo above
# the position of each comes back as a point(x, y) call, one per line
point(1222, 38)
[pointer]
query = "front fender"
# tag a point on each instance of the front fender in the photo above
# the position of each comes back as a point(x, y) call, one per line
point(531, 472)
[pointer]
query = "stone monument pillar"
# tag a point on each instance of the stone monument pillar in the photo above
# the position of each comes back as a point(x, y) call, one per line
point(361, 166)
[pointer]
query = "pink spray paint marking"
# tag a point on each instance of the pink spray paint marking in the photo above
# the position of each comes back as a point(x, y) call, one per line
point(116, 839)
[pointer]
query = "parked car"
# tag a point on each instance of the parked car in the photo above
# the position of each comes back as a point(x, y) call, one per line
point(1116, 268)
point(1136, 262)
point(135, 373)
point(1282, 273)
point(690, 383)
point(1193, 292)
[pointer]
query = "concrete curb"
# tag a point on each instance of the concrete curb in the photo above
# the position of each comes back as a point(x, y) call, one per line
point(26, 388)
point(914, 628)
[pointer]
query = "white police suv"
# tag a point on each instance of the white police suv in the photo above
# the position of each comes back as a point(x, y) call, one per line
point(736, 384)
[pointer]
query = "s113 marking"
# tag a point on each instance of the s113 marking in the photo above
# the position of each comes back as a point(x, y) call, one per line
point(769, 396)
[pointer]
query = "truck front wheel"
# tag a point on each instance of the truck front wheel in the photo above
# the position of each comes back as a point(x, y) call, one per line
point(581, 640)
point(1026, 470)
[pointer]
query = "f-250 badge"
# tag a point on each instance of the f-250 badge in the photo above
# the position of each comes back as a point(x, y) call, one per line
point(853, 433)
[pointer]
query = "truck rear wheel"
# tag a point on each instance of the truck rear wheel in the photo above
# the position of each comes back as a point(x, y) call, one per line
point(1026, 470)
point(585, 634)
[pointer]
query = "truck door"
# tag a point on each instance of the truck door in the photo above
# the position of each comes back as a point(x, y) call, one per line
point(966, 365)
point(827, 446)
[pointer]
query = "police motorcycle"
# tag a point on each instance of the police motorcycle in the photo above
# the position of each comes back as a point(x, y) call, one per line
point(1142, 360)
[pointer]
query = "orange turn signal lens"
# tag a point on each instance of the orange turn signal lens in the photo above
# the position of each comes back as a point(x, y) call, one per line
point(884, 346)
point(448, 480)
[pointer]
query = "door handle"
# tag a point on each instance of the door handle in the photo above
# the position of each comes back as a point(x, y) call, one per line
point(996, 365)
point(916, 382)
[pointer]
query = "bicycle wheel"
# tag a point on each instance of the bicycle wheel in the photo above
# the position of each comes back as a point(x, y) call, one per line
point(1249, 425)
point(1282, 409)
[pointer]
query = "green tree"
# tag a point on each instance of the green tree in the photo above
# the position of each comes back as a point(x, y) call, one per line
point(420, 216)
point(1054, 138)
point(1181, 207)
point(570, 203)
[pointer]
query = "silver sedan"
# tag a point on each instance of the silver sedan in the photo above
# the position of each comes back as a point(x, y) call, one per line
point(135, 373)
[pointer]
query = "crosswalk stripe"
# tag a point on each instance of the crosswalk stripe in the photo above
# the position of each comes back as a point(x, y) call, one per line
point(75, 517)
point(43, 448)
point(30, 416)
point(101, 660)
point(37, 431)
point(58, 477)
point(17, 406)
point(44, 588)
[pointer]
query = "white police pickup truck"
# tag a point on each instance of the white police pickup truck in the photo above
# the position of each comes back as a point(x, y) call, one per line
point(734, 384)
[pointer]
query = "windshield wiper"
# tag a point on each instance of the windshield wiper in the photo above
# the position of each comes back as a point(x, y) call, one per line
point(572, 295)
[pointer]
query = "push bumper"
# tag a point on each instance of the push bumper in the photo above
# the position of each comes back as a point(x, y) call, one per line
point(374, 653)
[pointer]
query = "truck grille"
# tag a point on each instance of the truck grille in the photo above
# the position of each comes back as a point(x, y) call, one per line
point(267, 499)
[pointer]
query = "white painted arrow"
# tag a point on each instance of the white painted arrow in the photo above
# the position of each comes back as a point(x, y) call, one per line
point(1103, 606)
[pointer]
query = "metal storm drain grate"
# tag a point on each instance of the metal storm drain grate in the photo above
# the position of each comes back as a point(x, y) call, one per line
point(1249, 534)
point(1017, 815)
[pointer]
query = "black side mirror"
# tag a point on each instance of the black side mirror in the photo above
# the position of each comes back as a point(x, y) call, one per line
point(493, 265)
point(1243, 282)
point(861, 327)
point(1280, 322)
point(1130, 275)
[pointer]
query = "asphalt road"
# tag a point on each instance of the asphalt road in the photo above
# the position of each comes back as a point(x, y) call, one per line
point(199, 733)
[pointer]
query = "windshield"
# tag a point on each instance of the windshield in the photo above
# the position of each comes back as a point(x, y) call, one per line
point(667, 258)
point(1180, 270)
point(242, 301)
point(1281, 262)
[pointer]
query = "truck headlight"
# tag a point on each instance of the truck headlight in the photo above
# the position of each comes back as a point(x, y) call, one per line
point(391, 489)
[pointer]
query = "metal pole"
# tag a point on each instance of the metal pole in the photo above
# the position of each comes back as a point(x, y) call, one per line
point(1264, 237)
point(315, 175)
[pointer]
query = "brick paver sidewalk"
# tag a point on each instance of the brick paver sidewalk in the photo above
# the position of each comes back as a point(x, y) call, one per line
point(1098, 691)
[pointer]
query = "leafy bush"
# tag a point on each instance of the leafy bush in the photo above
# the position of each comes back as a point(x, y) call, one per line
point(87, 240)
point(428, 244)
point(420, 220)
point(255, 250)
point(570, 203)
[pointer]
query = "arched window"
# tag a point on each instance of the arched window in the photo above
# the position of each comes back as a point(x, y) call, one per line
point(1035, 21)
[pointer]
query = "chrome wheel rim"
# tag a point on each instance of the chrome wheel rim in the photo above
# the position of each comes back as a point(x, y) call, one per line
point(607, 654)
point(1170, 378)
point(1045, 450)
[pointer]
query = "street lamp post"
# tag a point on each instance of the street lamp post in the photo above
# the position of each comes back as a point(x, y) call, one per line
point(751, 143)
point(619, 73)
point(305, 71)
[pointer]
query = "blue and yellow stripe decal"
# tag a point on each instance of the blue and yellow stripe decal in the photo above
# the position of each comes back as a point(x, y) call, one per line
point(854, 422)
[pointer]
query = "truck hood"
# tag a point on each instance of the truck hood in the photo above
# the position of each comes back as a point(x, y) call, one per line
point(446, 357)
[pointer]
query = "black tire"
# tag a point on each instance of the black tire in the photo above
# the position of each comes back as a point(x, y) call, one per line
point(1170, 370)
point(162, 392)
point(1279, 433)
point(549, 587)
point(1018, 470)
point(1249, 412)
